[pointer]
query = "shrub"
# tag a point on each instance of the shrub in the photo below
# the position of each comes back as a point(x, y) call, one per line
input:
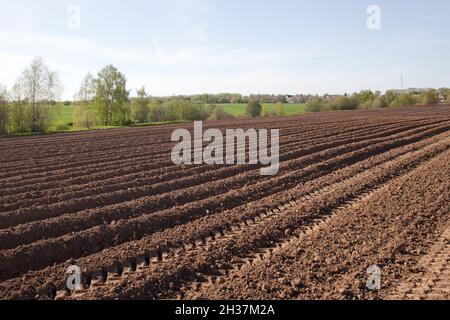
point(62, 127)
point(84, 116)
point(181, 109)
point(403, 100)
point(210, 108)
point(314, 105)
point(139, 110)
point(428, 98)
point(364, 98)
point(191, 112)
point(390, 96)
point(253, 109)
point(220, 114)
point(366, 105)
point(172, 109)
point(345, 103)
point(380, 102)
point(156, 112)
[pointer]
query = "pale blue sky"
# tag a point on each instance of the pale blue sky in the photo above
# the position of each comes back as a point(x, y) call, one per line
point(246, 46)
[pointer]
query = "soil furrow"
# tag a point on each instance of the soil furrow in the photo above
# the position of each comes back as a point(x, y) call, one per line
point(30, 196)
point(221, 255)
point(62, 225)
point(196, 231)
point(22, 182)
point(22, 216)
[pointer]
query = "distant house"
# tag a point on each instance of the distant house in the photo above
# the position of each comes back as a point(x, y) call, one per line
point(442, 98)
point(290, 99)
point(299, 98)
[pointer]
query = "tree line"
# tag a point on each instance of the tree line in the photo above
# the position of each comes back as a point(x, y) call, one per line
point(26, 107)
point(103, 100)
point(367, 99)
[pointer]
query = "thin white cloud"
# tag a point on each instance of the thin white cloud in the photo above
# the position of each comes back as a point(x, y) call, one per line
point(194, 17)
point(199, 54)
point(198, 68)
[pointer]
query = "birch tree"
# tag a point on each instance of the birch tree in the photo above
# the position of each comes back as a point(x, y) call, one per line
point(111, 97)
point(39, 86)
point(4, 110)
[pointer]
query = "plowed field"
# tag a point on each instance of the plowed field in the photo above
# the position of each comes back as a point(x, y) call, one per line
point(354, 189)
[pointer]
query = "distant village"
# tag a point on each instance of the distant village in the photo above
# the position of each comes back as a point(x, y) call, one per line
point(442, 96)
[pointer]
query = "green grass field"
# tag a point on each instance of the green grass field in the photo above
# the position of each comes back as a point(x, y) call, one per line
point(238, 110)
point(294, 108)
point(63, 115)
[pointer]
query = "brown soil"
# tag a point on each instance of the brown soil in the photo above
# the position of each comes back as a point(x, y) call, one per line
point(355, 189)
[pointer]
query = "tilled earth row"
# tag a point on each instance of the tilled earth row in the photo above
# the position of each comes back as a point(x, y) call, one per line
point(355, 189)
point(390, 228)
point(431, 278)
